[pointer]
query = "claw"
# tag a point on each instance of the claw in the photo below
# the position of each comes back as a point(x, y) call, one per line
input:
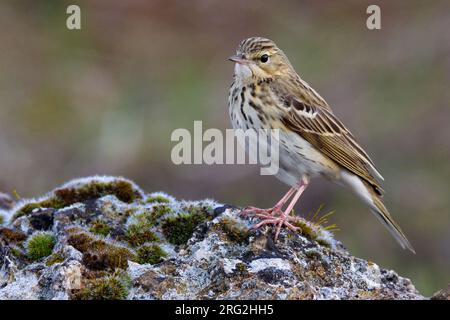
point(248, 210)
point(278, 221)
point(275, 215)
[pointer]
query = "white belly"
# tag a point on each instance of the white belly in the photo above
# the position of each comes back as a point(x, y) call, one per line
point(297, 157)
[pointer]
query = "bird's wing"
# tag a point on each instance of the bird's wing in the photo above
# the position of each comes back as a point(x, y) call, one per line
point(322, 129)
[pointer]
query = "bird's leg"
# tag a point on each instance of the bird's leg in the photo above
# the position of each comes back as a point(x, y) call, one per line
point(285, 216)
point(265, 213)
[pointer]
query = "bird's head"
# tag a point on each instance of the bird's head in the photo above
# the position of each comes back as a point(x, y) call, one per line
point(258, 57)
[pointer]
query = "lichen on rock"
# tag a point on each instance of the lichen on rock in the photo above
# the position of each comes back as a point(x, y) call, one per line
point(111, 240)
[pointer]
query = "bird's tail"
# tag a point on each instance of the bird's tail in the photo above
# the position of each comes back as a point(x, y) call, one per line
point(380, 211)
point(373, 199)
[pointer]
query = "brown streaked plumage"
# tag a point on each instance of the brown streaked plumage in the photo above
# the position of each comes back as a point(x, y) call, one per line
point(267, 93)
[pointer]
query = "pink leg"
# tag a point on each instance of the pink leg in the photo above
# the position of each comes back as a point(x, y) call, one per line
point(263, 213)
point(286, 214)
point(284, 218)
point(285, 198)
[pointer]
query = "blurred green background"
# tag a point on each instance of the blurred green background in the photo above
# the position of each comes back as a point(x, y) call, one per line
point(104, 100)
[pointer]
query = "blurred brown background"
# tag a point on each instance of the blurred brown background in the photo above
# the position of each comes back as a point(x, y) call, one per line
point(104, 100)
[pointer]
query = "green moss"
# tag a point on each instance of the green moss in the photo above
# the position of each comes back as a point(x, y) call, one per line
point(99, 254)
point(139, 233)
point(151, 217)
point(47, 203)
point(323, 242)
point(56, 257)
point(157, 198)
point(64, 197)
point(311, 230)
point(233, 229)
point(306, 229)
point(158, 212)
point(100, 227)
point(150, 253)
point(179, 229)
point(18, 253)
point(2, 219)
point(40, 245)
point(113, 287)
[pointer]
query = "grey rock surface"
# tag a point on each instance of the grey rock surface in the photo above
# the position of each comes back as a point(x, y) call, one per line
point(104, 238)
point(443, 294)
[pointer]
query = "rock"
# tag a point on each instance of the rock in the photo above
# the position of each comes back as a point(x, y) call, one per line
point(58, 280)
point(41, 220)
point(24, 287)
point(113, 241)
point(443, 294)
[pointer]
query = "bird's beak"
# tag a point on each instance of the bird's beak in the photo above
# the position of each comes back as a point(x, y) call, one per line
point(239, 59)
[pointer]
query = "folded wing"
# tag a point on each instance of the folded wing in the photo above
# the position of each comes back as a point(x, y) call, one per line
point(322, 129)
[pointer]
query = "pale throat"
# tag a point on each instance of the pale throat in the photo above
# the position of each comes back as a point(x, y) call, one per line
point(242, 72)
point(245, 74)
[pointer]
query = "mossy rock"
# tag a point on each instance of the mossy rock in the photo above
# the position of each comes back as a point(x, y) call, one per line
point(100, 227)
point(159, 211)
point(99, 254)
point(150, 253)
point(18, 253)
point(151, 217)
point(112, 287)
point(123, 190)
point(40, 245)
point(179, 229)
point(157, 198)
point(66, 196)
point(140, 230)
point(306, 229)
point(312, 231)
point(234, 230)
point(12, 236)
point(46, 203)
point(140, 233)
point(56, 257)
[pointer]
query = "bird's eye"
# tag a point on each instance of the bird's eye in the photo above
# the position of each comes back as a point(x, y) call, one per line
point(264, 58)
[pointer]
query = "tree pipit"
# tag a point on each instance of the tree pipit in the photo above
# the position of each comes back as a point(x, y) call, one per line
point(267, 93)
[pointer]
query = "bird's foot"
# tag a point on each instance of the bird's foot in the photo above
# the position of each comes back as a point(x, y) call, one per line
point(282, 220)
point(261, 213)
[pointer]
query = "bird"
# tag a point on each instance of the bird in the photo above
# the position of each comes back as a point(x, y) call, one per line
point(267, 93)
